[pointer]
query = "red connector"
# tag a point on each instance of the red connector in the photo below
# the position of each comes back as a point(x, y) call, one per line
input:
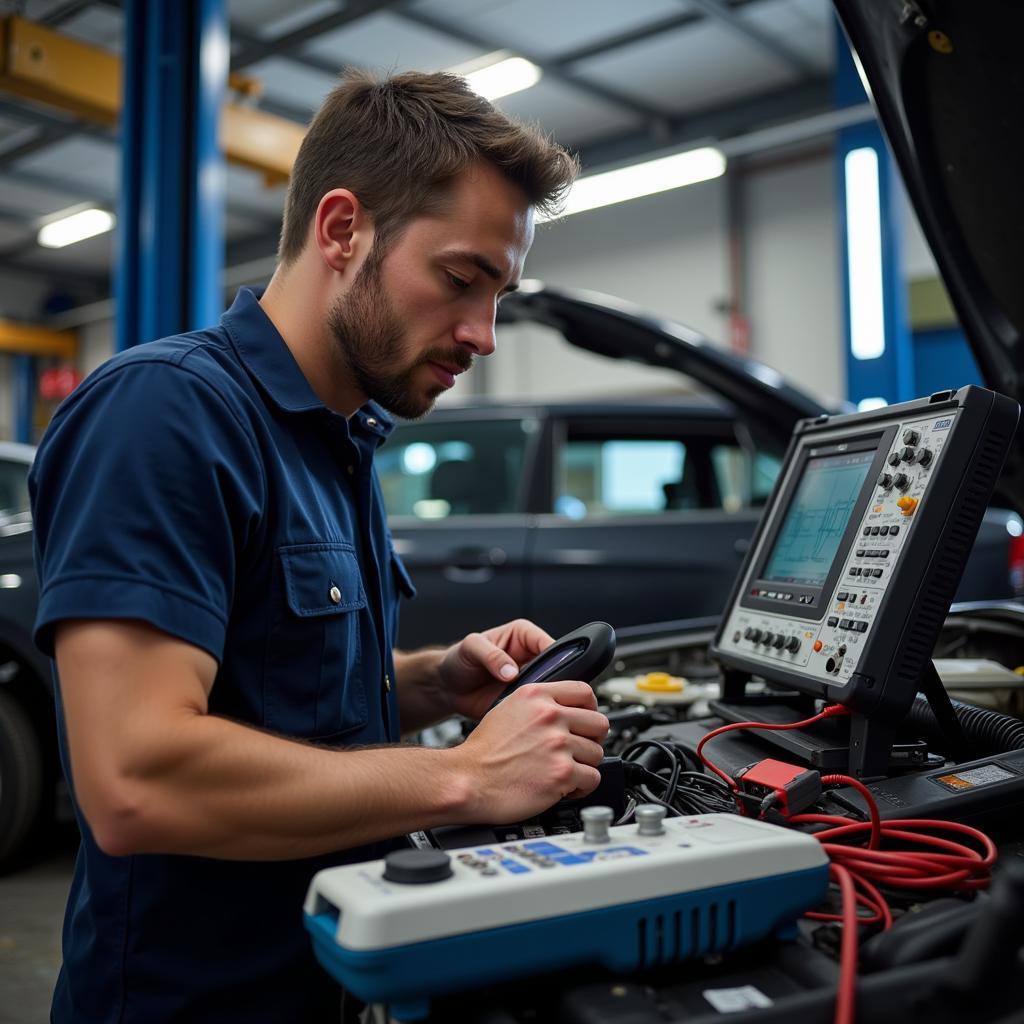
point(787, 788)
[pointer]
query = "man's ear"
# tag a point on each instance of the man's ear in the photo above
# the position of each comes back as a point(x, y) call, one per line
point(342, 229)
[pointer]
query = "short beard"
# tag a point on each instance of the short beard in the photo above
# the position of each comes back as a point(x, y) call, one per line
point(371, 342)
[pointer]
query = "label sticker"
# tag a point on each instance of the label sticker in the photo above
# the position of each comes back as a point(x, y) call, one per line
point(735, 1000)
point(983, 775)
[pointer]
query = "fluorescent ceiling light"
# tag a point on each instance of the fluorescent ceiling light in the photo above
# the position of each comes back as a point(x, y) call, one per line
point(866, 404)
point(864, 254)
point(498, 74)
point(74, 227)
point(645, 179)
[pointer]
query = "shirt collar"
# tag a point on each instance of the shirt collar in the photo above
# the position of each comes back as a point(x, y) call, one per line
point(266, 356)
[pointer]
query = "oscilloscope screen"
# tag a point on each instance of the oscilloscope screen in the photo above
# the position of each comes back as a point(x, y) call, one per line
point(818, 515)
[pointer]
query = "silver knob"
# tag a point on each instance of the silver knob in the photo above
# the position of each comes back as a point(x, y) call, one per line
point(595, 824)
point(649, 820)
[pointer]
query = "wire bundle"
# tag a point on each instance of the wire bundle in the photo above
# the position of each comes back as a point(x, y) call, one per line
point(676, 786)
point(859, 865)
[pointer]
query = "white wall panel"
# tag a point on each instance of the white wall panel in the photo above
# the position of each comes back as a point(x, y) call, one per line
point(793, 274)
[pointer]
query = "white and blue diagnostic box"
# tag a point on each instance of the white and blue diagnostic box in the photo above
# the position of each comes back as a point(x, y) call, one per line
point(422, 923)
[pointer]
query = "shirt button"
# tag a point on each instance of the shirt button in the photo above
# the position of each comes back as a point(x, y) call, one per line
point(387, 683)
point(350, 470)
point(335, 595)
point(371, 422)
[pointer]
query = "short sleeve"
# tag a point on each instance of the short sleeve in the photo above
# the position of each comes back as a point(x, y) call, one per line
point(145, 491)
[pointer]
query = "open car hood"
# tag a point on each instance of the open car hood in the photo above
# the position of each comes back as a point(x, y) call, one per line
point(947, 81)
point(617, 329)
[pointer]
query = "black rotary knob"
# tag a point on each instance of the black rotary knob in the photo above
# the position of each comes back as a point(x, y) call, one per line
point(793, 644)
point(909, 454)
point(778, 641)
point(755, 635)
point(885, 480)
point(894, 459)
point(925, 457)
point(902, 481)
point(911, 436)
point(767, 639)
point(417, 867)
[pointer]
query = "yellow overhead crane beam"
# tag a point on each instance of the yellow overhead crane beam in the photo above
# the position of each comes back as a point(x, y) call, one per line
point(24, 339)
point(48, 67)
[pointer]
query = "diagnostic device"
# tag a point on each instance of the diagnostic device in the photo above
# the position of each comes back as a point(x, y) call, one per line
point(855, 561)
point(582, 654)
point(421, 923)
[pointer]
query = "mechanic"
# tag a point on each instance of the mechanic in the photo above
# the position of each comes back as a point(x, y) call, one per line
point(220, 592)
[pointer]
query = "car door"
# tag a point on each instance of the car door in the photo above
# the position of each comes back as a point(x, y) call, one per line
point(649, 520)
point(454, 487)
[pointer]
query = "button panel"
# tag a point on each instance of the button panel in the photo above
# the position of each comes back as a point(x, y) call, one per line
point(829, 648)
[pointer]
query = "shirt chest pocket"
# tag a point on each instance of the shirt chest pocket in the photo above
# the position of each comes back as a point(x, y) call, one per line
point(313, 681)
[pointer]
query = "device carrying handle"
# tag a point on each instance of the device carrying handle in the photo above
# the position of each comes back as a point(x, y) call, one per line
point(582, 654)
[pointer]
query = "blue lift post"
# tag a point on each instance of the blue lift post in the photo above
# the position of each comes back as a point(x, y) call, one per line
point(171, 212)
point(879, 362)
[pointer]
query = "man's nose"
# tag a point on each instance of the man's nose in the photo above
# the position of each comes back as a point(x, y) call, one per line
point(478, 333)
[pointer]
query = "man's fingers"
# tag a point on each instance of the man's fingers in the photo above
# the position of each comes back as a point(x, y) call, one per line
point(586, 751)
point(590, 725)
point(571, 693)
point(476, 648)
point(586, 779)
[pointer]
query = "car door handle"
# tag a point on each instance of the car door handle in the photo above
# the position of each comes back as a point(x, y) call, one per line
point(474, 565)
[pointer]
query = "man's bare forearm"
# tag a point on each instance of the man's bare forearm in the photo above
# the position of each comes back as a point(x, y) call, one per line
point(221, 789)
point(422, 699)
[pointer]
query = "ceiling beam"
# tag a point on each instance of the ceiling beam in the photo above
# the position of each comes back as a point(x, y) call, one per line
point(728, 15)
point(727, 121)
point(654, 118)
point(258, 50)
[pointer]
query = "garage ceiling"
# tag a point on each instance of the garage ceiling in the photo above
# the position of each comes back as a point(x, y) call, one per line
point(619, 80)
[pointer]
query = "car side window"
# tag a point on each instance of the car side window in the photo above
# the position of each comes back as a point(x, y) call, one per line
point(612, 476)
point(472, 467)
point(13, 486)
point(743, 479)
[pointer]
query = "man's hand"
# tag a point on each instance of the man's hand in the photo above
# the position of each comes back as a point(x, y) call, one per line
point(475, 671)
point(539, 746)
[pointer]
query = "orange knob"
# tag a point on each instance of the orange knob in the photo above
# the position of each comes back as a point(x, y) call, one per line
point(818, 645)
point(906, 504)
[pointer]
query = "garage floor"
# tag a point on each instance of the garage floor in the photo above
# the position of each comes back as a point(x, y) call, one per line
point(31, 912)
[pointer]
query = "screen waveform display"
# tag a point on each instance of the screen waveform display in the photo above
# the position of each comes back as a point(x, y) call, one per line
point(817, 518)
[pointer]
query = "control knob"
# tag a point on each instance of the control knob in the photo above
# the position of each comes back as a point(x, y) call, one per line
point(894, 459)
point(793, 644)
point(595, 823)
point(755, 636)
point(885, 480)
point(767, 639)
point(902, 481)
point(925, 457)
point(911, 436)
point(909, 454)
point(649, 820)
point(778, 641)
point(417, 867)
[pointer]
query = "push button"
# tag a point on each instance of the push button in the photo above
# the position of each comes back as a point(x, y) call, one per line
point(894, 530)
point(885, 531)
point(867, 531)
point(875, 531)
point(833, 621)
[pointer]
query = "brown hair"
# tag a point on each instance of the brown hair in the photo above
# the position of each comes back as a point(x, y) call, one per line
point(399, 143)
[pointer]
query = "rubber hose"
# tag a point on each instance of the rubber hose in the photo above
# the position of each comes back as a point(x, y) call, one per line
point(991, 730)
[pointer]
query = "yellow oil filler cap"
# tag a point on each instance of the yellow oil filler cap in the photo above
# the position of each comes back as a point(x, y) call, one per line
point(660, 682)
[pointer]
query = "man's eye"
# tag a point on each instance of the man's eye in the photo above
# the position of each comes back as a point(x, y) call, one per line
point(458, 282)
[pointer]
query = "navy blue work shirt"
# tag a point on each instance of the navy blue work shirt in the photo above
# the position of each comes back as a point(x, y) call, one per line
point(197, 484)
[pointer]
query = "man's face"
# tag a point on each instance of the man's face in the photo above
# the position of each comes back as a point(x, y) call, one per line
point(418, 315)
